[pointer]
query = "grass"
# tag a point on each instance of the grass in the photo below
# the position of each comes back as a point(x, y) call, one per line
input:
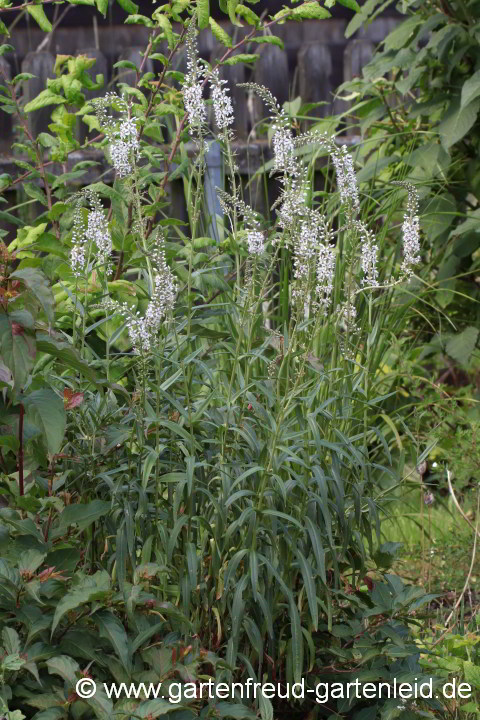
point(437, 543)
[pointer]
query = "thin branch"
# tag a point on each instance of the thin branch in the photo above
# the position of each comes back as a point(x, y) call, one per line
point(457, 505)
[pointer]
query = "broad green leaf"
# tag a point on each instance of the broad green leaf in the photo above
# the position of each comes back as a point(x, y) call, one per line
point(82, 514)
point(102, 6)
point(46, 97)
point(457, 122)
point(350, 4)
point(437, 215)
point(66, 353)
point(400, 36)
point(470, 89)
point(64, 666)
point(128, 6)
point(472, 674)
point(461, 346)
point(46, 411)
point(471, 223)
point(3, 29)
point(38, 14)
point(17, 347)
point(112, 629)
point(11, 641)
point(220, 34)
point(86, 589)
point(139, 20)
point(39, 287)
point(203, 13)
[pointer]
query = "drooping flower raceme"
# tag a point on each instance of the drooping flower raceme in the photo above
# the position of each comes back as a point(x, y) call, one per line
point(124, 148)
point(92, 236)
point(369, 251)
point(97, 232)
point(411, 232)
point(164, 291)
point(326, 259)
point(222, 102)
point(142, 331)
point(192, 89)
point(255, 242)
point(77, 253)
point(283, 145)
point(346, 178)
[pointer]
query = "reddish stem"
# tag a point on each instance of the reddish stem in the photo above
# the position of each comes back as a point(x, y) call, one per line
point(20, 450)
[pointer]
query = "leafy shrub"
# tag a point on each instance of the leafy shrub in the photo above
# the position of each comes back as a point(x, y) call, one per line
point(218, 433)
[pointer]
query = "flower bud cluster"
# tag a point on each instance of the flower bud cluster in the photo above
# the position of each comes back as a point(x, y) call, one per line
point(124, 147)
point(222, 102)
point(142, 331)
point(411, 232)
point(346, 178)
point(92, 235)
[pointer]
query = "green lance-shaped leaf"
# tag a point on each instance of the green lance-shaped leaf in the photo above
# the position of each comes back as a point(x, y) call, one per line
point(241, 58)
point(350, 4)
point(102, 6)
point(128, 6)
point(82, 514)
point(112, 629)
point(269, 40)
point(310, 11)
point(248, 15)
point(220, 34)
point(46, 411)
point(38, 14)
point(203, 13)
point(163, 22)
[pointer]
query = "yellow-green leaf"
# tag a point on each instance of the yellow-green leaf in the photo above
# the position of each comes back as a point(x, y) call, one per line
point(38, 14)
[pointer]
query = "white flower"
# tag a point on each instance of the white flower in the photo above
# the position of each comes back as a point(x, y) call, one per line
point(369, 255)
point(255, 242)
point(97, 231)
point(192, 89)
point(325, 274)
point(410, 229)
point(222, 103)
point(94, 231)
point(164, 292)
point(346, 179)
point(142, 331)
point(77, 253)
point(283, 146)
point(194, 103)
point(122, 136)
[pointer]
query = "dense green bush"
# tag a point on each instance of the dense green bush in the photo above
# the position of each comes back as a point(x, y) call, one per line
point(416, 106)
